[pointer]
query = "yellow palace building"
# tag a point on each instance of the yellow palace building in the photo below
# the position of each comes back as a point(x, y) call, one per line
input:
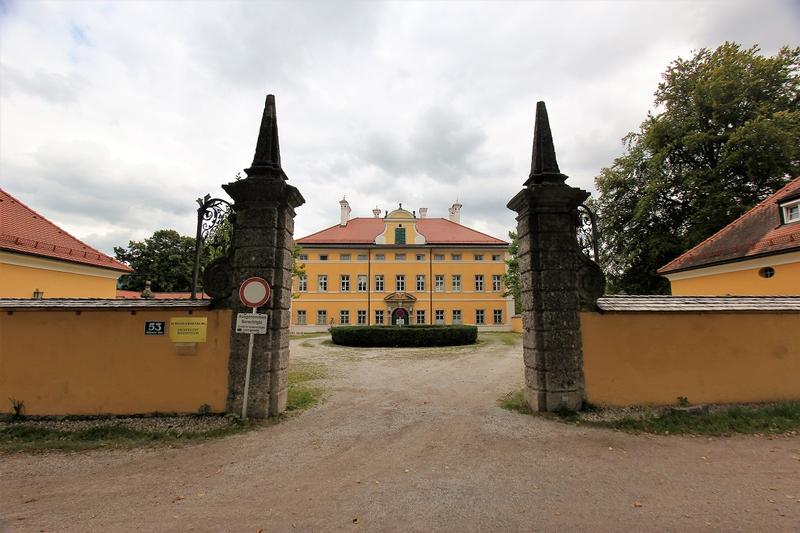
point(401, 268)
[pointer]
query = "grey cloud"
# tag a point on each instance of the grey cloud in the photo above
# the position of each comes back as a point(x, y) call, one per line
point(80, 180)
point(49, 86)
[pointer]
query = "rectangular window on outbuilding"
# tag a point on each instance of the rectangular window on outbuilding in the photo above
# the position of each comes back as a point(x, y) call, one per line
point(439, 316)
point(379, 317)
point(322, 318)
point(301, 317)
point(361, 317)
point(344, 317)
point(399, 235)
point(420, 316)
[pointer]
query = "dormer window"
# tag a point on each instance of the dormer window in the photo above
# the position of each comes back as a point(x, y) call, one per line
point(791, 211)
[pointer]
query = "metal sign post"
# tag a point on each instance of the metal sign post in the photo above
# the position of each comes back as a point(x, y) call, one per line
point(253, 292)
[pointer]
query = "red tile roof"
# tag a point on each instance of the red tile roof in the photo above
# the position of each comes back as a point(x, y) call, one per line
point(364, 230)
point(25, 231)
point(757, 232)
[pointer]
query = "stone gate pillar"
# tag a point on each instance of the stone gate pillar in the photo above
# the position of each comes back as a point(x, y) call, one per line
point(263, 226)
point(549, 262)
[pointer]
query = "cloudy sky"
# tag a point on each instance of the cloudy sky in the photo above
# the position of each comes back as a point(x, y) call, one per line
point(115, 116)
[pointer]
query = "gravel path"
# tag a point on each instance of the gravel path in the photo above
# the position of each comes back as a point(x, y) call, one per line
point(411, 443)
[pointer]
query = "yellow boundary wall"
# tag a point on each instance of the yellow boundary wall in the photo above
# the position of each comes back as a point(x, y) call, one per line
point(100, 361)
point(653, 358)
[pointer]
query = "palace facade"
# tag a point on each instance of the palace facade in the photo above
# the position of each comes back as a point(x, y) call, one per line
point(401, 268)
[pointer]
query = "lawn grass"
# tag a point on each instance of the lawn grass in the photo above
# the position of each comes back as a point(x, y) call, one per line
point(21, 437)
point(751, 419)
point(515, 401)
point(718, 420)
point(25, 437)
point(508, 338)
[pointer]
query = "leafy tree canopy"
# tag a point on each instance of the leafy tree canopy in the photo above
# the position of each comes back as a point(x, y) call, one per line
point(166, 260)
point(725, 134)
point(511, 277)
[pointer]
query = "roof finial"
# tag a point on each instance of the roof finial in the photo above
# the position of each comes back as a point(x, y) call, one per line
point(544, 167)
point(268, 152)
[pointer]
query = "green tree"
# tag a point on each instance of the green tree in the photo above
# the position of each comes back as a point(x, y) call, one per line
point(725, 134)
point(165, 259)
point(511, 277)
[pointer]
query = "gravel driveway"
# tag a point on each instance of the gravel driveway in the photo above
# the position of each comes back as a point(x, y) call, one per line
point(411, 440)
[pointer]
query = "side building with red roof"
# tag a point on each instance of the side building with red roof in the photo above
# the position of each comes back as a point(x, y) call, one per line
point(401, 267)
point(756, 254)
point(40, 260)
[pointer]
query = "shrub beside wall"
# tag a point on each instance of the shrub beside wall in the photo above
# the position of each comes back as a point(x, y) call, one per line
point(408, 336)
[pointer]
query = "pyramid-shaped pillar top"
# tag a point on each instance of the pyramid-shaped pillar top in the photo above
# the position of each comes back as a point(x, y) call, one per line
point(544, 166)
point(267, 158)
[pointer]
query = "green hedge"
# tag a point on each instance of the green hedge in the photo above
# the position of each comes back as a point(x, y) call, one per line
point(394, 336)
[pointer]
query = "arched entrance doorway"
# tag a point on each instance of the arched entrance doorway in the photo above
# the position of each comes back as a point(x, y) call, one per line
point(400, 317)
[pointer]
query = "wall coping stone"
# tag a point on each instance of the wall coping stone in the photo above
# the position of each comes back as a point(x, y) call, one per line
point(627, 303)
point(12, 304)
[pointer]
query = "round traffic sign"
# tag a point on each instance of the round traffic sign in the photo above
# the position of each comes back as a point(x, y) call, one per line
point(254, 292)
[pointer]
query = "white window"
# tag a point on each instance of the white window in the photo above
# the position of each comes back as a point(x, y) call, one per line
point(478, 257)
point(361, 317)
point(378, 282)
point(439, 316)
point(322, 283)
point(344, 283)
point(496, 257)
point(344, 257)
point(302, 257)
point(399, 257)
point(323, 257)
point(479, 282)
point(301, 317)
point(456, 316)
point(438, 257)
point(791, 212)
point(302, 283)
point(379, 317)
point(420, 282)
point(438, 284)
point(322, 318)
point(362, 257)
point(479, 316)
point(420, 316)
point(455, 257)
point(496, 282)
point(456, 282)
point(498, 316)
point(344, 317)
point(380, 257)
point(400, 282)
point(420, 257)
point(362, 283)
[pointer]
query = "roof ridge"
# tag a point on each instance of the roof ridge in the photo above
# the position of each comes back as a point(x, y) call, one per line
point(100, 254)
point(729, 227)
point(467, 228)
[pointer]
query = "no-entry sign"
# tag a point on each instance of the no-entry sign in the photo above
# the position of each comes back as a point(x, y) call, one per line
point(254, 292)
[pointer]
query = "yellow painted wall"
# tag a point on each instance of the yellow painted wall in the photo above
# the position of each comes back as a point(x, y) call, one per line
point(62, 362)
point(516, 323)
point(468, 300)
point(786, 281)
point(653, 358)
point(21, 281)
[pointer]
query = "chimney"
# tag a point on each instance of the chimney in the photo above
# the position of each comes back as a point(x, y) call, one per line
point(345, 213)
point(455, 212)
point(376, 212)
point(423, 212)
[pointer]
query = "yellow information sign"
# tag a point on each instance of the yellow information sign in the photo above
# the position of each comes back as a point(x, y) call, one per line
point(188, 329)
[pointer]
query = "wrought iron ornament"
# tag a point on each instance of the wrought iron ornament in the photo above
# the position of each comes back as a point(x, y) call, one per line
point(211, 214)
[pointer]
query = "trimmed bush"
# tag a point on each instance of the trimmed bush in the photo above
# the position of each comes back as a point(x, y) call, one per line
point(406, 336)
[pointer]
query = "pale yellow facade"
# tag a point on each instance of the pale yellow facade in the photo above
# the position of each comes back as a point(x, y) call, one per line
point(349, 285)
point(21, 275)
point(773, 275)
